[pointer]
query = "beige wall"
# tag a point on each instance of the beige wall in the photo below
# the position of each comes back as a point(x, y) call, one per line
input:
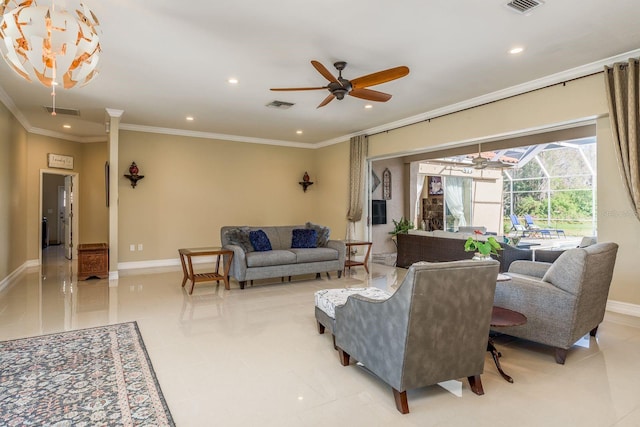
point(380, 236)
point(94, 214)
point(577, 100)
point(50, 186)
point(194, 186)
point(13, 190)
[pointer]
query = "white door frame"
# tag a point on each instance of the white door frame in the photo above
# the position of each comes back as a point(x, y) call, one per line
point(76, 213)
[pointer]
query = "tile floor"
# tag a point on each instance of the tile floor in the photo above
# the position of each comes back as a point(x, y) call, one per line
point(253, 357)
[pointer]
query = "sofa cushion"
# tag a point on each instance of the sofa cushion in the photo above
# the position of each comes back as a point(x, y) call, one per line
point(270, 258)
point(259, 241)
point(323, 233)
point(304, 238)
point(567, 271)
point(315, 254)
point(239, 236)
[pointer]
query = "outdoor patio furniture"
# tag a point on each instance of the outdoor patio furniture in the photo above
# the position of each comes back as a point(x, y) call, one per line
point(517, 227)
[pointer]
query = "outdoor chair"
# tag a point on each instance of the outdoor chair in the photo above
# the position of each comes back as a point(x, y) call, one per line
point(434, 328)
point(517, 227)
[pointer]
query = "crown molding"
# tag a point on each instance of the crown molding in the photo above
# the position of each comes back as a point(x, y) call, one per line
point(558, 78)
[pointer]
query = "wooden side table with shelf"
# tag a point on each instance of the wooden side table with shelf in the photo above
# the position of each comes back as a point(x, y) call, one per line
point(348, 263)
point(213, 276)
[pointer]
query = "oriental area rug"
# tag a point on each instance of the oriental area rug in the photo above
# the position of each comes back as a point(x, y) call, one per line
point(90, 377)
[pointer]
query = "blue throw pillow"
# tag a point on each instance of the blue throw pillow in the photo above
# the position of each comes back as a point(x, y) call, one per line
point(304, 238)
point(260, 241)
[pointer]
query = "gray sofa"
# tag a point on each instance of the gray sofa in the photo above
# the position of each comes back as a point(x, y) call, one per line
point(562, 300)
point(282, 260)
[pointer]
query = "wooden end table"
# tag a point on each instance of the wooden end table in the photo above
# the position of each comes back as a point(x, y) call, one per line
point(187, 266)
point(348, 263)
point(501, 317)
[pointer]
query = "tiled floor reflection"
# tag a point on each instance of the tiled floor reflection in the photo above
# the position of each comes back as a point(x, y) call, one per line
point(253, 357)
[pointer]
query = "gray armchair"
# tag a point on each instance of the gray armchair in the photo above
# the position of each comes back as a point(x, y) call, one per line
point(432, 329)
point(562, 301)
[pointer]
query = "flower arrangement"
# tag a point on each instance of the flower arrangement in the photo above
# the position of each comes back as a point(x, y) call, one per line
point(491, 246)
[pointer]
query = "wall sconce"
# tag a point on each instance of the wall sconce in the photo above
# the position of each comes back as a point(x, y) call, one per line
point(305, 182)
point(133, 175)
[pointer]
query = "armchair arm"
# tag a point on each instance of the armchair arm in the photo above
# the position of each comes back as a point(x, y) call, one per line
point(340, 247)
point(238, 268)
point(530, 268)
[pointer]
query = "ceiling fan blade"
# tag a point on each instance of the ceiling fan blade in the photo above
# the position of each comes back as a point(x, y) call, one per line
point(327, 100)
point(326, 73)
point(371, 95)
point(298, 88)
point(380, 77)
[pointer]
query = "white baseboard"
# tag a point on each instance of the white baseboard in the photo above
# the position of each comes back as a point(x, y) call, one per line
point(15, 273)
point(623, 308)
point(172, 262)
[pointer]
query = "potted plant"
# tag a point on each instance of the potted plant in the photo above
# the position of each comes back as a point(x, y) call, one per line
point(483, 250)
point(401, 227)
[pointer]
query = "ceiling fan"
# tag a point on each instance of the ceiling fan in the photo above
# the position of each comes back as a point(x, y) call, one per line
point(483, 160)
point(339, 87)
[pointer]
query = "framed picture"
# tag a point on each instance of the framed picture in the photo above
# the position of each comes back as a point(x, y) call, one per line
point(435, 185)
point(59, 161)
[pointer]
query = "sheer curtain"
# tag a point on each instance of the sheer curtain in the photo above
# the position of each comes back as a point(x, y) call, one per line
point(623, 84)
point(357, 164)
point(421, 182)
point(454, 199)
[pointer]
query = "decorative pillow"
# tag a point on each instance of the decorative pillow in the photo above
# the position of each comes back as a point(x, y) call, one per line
point(323, 233)
point(260, 241)
point(304, 238)
point(240, 237)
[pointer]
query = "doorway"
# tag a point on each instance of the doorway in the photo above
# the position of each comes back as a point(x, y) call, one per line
point(58, 208)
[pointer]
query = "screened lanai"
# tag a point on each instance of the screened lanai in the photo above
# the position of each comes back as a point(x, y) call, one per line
point(552, 184)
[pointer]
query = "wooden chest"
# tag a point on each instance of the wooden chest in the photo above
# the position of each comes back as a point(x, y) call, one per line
point(93, 261)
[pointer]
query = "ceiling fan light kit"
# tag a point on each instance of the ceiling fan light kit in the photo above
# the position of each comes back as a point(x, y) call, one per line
point(338, 87)
point(49, 44)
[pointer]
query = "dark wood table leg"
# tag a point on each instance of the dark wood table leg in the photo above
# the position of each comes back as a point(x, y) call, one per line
point(191, 275)
point(496, 354)
point(184, 270)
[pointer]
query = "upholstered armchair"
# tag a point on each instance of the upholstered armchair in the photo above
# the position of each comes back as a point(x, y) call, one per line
point(434, 328)
point(563, 300)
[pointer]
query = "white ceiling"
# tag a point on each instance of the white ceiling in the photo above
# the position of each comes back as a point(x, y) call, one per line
point(163, 60)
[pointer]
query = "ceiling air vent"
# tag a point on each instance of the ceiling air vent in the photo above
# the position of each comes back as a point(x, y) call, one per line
point(65, 111)
point(524, 6)
point(282, 105)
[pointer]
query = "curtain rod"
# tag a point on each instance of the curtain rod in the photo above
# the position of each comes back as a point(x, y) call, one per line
point(563, 83)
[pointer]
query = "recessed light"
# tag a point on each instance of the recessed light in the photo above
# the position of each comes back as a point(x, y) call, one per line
point(516, 50)
point(299, 132)
point(190, 118)
point(66, 126)
point(368, 106)
point(233, 81)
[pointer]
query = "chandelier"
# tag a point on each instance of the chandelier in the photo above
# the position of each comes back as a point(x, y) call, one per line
point(49, 44)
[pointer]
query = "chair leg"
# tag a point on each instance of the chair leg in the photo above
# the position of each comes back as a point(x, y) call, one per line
point(242, 284)
point(401, 401)
point(318, 276)
point(320, 328)
point(476, 385)
point(335, 347)
point(561, 355)
point(344, 357)
point(339, 274)
point(594, 331)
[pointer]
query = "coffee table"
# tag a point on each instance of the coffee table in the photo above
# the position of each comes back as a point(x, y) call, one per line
point(501, 317)
point(187, 266)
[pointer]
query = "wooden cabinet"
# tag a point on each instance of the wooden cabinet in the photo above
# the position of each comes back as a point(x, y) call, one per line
point(93, 261)
point(433, 212)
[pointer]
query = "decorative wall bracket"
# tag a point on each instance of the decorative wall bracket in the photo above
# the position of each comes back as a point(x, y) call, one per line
point(305, 182)
point(133, 175)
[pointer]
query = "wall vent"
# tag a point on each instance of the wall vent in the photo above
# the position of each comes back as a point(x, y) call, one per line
point(524, 7)
point(64, 111)
point(282, 105)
